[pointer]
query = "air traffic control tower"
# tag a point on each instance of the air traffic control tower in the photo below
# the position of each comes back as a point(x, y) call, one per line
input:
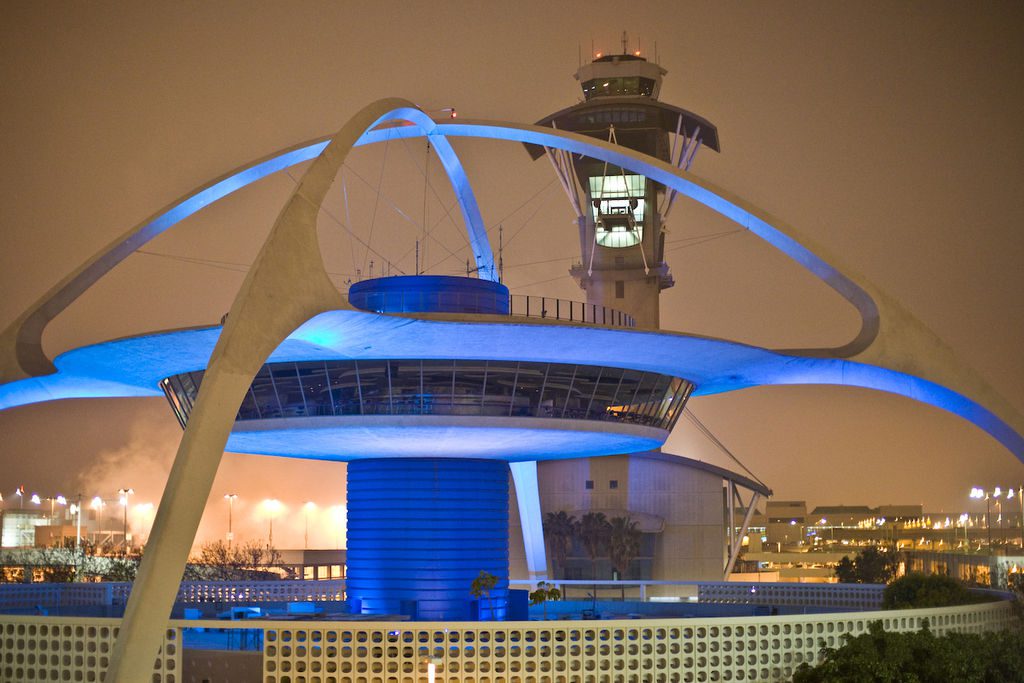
point(622, 215)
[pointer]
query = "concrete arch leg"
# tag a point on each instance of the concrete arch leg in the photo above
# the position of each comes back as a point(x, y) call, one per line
point(286, 286)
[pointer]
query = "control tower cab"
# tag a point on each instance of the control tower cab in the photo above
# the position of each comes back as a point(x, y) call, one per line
point(622, 216)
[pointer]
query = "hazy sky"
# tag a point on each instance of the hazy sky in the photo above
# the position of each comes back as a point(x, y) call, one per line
point(889, 132)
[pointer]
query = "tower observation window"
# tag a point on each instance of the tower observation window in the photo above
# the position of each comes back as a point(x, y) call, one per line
point(617, 208)
point(625, 86)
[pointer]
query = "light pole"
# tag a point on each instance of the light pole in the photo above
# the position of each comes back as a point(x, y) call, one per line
point(97, 504)
point(58, 499)
point(1020, 500)
point(76, 510)
point(230, 498)
point(306, 509)
point(273, 505)
point(124, 503)
point(977, 492)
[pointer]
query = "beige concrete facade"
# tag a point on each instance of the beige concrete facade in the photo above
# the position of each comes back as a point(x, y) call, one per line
point(682, 505)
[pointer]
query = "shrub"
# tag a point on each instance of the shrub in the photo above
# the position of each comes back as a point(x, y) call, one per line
point(871, 565)
point(932, 590)
point(921, 657)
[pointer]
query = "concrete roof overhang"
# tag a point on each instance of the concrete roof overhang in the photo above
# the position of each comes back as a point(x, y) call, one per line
point(513, 439)
point(134, 366)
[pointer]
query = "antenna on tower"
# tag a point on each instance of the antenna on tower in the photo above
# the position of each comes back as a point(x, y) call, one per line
point(579, 55)
point(625, 43)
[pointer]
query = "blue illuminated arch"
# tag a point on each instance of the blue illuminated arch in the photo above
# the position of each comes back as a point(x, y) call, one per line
point(909, 349)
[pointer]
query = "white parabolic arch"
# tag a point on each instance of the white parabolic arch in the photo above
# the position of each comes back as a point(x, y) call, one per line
point(890, 336)
point(286, 286)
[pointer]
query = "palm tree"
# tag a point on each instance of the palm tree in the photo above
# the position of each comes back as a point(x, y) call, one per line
point(481, 588)
point(593, 533)
point(623, 545)
point(559, 528)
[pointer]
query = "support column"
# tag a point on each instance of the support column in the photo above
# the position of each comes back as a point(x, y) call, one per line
point(524, 475)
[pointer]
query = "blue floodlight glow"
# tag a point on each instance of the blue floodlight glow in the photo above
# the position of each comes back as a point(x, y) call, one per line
point(134, 366)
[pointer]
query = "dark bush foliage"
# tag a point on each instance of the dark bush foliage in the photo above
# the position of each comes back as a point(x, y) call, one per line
point(932, 590)
point(881, 657)
point(871, 565)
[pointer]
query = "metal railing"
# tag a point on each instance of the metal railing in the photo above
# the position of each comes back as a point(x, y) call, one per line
point(570, 311)
point(840, 596)
point(28, 596)
point(520, 305)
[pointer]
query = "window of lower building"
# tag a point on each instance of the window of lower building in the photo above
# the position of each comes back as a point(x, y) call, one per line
point(589, 484)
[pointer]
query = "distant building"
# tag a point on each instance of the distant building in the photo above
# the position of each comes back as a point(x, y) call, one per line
point(786, 522)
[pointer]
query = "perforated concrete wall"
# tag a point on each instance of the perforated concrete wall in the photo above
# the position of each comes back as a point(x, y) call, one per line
point(68, 649)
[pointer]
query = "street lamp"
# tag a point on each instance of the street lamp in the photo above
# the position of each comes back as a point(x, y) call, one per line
point(306, 509)
point(1020, 501)
point(76, 510)
point(59, 500)
point(979, 493)
point(273, 506)
point(97, 504)
point(124, 503)
point(230, 498)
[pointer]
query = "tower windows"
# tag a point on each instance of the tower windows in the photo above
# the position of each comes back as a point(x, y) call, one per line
point(620, 289)
point(629, 86)
point(618, 209)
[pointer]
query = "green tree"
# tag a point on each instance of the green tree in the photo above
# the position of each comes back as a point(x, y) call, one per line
point(559, 529)
point(482, 586)
point(922, 657)
point(926, 590)
point(871, 565)
point(543, 594)
point(1015, 582)
point(594, 531)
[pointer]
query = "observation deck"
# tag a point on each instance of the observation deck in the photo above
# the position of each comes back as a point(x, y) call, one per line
point(457, 407)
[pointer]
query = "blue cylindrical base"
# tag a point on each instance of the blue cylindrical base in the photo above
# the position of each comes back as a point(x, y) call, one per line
point(420, 530)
